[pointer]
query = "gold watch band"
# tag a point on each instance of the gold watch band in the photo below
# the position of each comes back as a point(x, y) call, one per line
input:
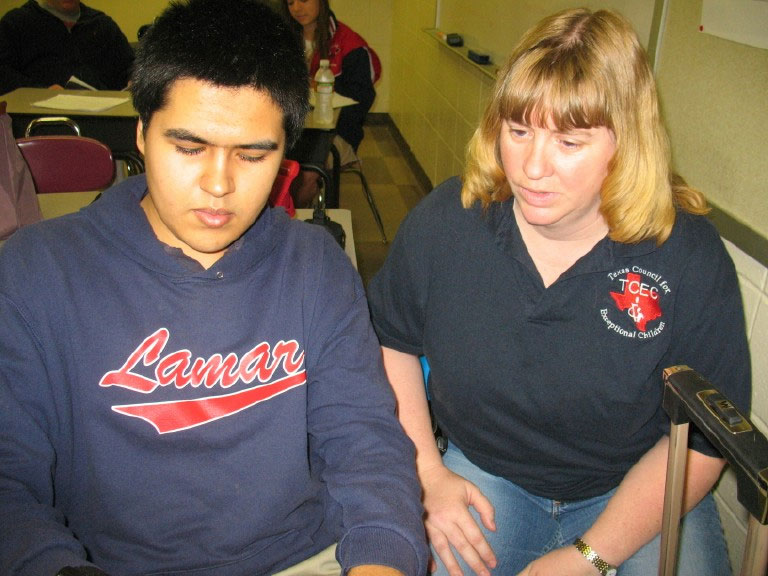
point(603, 567)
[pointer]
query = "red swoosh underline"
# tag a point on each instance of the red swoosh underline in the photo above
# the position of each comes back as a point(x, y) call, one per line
point(178, 415)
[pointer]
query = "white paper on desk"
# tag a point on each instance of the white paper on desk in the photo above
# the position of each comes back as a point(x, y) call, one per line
point(74, 83)
point(81, 103)
point(338, 101)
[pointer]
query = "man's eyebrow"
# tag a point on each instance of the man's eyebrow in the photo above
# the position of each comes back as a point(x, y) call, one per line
point(187, 136)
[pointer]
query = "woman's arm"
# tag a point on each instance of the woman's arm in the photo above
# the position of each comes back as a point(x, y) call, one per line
point(446, 496)
point(633, 515)
point(355, 82)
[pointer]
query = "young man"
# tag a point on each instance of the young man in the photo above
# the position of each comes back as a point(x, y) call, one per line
point(189, 382)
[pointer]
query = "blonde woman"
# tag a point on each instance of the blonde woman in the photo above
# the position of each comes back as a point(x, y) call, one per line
point(547, 289)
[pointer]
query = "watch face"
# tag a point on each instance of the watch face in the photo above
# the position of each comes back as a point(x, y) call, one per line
point(610, 572)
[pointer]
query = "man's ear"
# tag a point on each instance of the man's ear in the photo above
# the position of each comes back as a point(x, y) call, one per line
point(140, 136)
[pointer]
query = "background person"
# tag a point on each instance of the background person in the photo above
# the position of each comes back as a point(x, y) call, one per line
point(548, 289)
point(355, 66)
point(189, 380)
point(45, 42)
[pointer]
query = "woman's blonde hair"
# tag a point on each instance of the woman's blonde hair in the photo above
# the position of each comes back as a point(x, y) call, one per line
point(583, 69)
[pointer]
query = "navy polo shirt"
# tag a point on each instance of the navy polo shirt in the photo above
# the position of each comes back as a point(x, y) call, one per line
point(557, 389)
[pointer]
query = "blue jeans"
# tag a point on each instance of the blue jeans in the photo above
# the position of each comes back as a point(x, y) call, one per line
point(529, 526)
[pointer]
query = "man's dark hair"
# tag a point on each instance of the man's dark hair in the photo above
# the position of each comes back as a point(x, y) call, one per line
point(233, 43)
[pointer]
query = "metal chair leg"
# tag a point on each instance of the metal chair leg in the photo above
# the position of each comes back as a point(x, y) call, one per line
point(369, 196)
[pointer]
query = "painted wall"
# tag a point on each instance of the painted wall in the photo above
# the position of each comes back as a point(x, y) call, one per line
point(715, 99)
point(498, 35)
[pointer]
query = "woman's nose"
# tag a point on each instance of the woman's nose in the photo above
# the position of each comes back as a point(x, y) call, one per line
point(536, 163)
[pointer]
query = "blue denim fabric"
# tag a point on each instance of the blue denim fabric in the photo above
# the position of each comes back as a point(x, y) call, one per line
point(529, 526)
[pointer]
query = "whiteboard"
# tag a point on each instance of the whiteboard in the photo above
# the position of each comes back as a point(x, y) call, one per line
point(495, 26)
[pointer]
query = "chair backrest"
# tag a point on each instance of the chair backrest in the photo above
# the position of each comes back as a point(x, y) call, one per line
point(280, 195)
point(67, 163)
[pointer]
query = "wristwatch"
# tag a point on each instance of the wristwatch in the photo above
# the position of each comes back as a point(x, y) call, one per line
point(586, 551)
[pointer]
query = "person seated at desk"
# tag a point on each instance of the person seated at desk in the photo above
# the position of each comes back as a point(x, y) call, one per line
point(189, 380)
point(44, 43)
point(356, 67)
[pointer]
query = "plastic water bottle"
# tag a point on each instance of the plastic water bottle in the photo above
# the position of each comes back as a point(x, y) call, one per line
point(324, 78)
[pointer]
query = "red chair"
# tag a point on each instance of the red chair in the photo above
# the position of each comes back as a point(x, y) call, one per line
point(280, 195)
point(67, 163)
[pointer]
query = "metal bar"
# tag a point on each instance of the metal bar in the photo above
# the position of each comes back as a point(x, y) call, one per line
point(673, 497)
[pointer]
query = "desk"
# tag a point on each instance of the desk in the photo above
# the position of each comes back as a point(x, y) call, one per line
point(343, 217)
point(115, 127)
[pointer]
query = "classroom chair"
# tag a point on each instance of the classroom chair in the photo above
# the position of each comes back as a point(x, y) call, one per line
point(67, 163)
point(356, 167)
point(281, 195)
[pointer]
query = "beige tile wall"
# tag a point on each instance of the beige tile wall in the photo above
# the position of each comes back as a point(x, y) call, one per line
point(753, 278)
point(436, 100)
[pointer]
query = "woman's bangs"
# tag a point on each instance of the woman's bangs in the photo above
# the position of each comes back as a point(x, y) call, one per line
point(553, 91)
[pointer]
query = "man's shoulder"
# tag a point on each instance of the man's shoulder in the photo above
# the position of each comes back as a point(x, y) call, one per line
point(28, 12)
point(88, 12)
point(94, 17)
point(56, 232)
point(64, 234)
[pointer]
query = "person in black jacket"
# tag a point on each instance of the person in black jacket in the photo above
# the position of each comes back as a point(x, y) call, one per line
point(44, 43)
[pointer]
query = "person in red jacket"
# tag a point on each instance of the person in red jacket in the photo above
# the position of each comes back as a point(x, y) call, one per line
point(353, 62)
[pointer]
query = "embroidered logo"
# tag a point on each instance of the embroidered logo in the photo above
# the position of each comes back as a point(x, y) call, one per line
point(178, 368)
point(639, 297)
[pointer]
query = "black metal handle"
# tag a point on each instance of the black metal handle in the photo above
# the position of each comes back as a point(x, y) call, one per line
point(689, 397)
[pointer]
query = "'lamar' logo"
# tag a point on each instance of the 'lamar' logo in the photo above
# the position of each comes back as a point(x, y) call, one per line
point(178, 368)
point(639, 298)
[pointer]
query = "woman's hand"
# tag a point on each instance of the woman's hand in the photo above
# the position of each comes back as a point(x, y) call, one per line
point(447, 498)
point(566, 561)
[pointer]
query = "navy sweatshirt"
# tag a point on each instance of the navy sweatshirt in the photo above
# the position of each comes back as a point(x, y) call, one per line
point(162, 418)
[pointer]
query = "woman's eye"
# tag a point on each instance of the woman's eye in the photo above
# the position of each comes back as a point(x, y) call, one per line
point(570, 144)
